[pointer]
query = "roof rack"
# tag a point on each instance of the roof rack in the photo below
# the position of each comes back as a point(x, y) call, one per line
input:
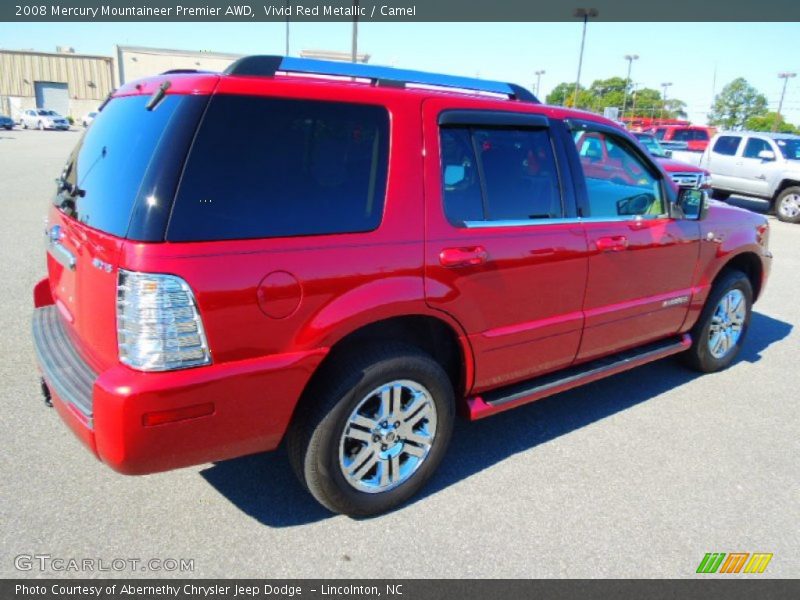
point(267, 66)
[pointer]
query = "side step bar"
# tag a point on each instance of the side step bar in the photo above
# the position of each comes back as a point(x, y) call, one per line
point(515, 395)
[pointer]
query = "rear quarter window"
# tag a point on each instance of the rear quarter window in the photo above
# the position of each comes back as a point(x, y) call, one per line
point(275, 167)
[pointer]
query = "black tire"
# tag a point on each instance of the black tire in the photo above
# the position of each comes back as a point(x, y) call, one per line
point(700, 356)
point(720, 195)
point(313, 440)
point(782, 212)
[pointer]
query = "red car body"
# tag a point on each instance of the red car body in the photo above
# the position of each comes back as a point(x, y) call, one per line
point(517, 306)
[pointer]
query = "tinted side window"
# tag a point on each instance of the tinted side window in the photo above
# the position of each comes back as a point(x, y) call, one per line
point(727, 145)
point(499, 175)
point(754, 146)
point(619, 183)
point(269, 167)
point(682, 135)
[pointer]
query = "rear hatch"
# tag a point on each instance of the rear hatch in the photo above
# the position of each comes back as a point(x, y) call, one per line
point(118, 186)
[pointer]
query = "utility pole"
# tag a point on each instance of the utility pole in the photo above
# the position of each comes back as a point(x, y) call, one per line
point(630, 58)
point(354, 56)
point(538, 80)
point(785, 76)
point(633, 94)
point(664, 97)
point(585, 14)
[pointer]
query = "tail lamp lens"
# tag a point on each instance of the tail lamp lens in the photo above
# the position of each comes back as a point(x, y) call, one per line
point(158, 325)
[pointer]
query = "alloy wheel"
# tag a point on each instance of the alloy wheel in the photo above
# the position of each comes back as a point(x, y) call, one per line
point(727, 323)
point(388, 436)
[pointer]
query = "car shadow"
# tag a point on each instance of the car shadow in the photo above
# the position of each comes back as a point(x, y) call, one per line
point(752, 204)
point(264, 487)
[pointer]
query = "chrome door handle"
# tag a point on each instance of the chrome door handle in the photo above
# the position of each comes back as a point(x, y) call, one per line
point(463, 257)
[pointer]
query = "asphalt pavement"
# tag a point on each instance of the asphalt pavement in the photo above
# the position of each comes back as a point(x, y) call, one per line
point(638, 475)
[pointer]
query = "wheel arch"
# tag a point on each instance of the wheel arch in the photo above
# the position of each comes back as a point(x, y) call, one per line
point(748, 263)
point(433, 334)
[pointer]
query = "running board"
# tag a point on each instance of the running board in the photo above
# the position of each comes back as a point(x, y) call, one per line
point(515, 395)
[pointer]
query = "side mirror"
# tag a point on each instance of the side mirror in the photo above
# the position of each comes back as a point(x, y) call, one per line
point(667, 153)
point(766, 155)
point(693, 203)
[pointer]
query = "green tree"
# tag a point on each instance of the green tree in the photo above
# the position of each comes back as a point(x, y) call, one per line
point(736, 103)
point(767, 121)
point(564, 95)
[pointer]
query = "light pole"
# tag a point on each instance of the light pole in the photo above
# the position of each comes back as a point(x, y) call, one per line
point(633, 94)
point(630, 58)
point(354, 55)
point(286, 6)
point(785, 76)
point(664, 97)
point(538, 80)
point(585, 14)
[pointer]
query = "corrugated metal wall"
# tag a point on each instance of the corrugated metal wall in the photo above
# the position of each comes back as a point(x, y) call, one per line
point(87, 77)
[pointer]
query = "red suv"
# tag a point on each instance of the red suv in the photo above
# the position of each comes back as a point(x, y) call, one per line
point(342, 255)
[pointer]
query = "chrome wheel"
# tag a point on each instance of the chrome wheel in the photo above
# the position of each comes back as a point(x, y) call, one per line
point(726, 324)
point(789, 206)
point(388, 436)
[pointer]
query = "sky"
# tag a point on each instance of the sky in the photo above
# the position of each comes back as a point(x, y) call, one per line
point(697, 58)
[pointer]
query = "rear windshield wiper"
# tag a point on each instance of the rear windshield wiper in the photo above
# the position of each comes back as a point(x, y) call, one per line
point(158, 95)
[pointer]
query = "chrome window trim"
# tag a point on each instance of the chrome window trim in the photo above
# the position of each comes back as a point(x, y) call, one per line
point(560, 221)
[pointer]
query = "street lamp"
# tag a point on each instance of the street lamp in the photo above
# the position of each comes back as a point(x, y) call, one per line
point(664, 97)
point(633, 94)
point(585, 14)
point(785, 76)
point(630, 58)
point(538, 79)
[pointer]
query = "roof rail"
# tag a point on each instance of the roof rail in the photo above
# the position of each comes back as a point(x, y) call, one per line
point(267, 66)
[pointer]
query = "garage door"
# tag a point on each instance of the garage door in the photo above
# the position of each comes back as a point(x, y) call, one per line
point(52, 96)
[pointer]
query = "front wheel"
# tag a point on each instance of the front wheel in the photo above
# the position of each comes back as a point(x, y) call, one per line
point(376, 425)
point(720, 331)
point(787, 205)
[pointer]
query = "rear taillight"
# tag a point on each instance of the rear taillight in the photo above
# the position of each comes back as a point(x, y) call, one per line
point(158, 325)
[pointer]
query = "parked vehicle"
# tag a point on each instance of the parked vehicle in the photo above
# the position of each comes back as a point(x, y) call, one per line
point(87, 119)
point(41, 118)
point(682, 173)
point(6, 122)
point(695, 136)
point(759, 164)
point(341, 263)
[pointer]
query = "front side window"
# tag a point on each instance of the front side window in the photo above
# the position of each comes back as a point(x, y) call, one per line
point(619, 183)
point(754, 146)
point(727, 145)
point(275, 167)
point(498, 174)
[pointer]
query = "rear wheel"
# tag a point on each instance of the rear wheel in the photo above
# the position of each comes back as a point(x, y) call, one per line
point(787, 205)
point(720, 331)
point(377, 426)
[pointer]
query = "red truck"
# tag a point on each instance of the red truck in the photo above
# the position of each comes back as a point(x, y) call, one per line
point(339, 257)
point(696, 137)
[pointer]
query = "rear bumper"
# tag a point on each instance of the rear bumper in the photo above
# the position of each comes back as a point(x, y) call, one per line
point(251, 404)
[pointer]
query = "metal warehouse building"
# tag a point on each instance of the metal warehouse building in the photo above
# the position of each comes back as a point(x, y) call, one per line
point(68, 83)
point(135, 62)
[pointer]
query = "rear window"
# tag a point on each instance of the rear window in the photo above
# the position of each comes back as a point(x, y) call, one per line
point(122, 175)
point(727, 145)
point(276, 167)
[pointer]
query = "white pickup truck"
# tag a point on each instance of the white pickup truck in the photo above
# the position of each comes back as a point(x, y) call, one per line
point(759, 164)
